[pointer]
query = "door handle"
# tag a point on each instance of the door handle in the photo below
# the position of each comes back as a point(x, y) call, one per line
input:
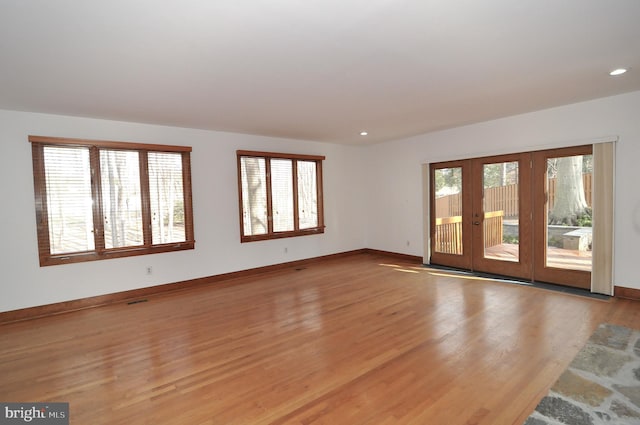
point(477, 223)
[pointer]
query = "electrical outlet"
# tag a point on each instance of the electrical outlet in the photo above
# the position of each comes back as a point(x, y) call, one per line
point(408, 243)
point(286, 249)
point(149, 270)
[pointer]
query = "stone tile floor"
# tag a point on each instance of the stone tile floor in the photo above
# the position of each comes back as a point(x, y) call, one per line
point(601, 386)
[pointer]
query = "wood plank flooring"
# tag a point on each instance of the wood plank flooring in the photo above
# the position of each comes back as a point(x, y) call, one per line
point(356, 340)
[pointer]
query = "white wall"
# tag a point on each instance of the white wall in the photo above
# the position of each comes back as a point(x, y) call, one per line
point(23, 283)
point(373, 195)
point(394, 169)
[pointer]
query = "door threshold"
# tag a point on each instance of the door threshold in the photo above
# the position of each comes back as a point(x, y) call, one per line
point(534, 284)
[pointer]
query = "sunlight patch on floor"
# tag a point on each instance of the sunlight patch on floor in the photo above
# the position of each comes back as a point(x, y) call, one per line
point(404, 269)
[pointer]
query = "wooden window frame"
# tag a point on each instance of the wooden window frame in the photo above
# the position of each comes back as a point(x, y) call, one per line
point(100, 252)
point(271, 234)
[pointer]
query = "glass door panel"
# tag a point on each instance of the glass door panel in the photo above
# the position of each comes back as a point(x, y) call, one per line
point(502, 239)
point(500, 207)
point(568, 212)
point(448, 210)
point(450, 188)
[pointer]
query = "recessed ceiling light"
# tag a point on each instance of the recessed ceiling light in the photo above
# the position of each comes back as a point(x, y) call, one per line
point(618, 71)
point(363, 133)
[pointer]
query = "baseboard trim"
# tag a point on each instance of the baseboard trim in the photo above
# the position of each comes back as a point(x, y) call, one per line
point(404, 257)
point(116, 297)
point(627, 293)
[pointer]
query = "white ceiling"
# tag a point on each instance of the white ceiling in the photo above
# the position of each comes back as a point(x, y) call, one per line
point(313, 69)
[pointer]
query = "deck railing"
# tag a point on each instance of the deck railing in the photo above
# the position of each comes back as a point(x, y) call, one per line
point(449, 235)
point(493, 228)
point(449, 232)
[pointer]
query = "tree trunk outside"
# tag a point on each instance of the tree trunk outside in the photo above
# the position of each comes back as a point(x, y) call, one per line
point(570, 202)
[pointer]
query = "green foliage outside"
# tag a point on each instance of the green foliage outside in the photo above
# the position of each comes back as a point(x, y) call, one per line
point(448, 178)
point(178, 213)
point(584, 220)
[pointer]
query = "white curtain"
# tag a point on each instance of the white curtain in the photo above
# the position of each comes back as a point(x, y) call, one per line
point(603, 225)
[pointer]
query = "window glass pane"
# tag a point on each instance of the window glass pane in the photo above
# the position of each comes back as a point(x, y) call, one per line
point(448, 209)
point(307, 195)
point(121, 200)
point(282, 194)
point(69, 205)
point(501, 223)
point(254, 195)
point(167, 197)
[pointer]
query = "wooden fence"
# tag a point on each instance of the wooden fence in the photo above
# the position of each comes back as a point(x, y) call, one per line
point(449, 232)
point(502, 198)
point(449, 206)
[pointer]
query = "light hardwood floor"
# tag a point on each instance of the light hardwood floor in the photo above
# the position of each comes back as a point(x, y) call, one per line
point(358, 340)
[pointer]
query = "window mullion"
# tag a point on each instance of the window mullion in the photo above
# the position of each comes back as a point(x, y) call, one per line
point(319, 195)
point(188, 199)
point(96, 196)
point(146, 199)
point(269, 197)
point(294, 176)
point(240, 196)
point(42, 214)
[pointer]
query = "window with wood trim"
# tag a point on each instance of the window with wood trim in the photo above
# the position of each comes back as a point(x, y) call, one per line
point(97, 200)
point(280, 195)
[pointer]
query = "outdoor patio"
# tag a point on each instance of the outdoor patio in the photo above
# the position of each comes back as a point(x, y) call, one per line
point(556, 257)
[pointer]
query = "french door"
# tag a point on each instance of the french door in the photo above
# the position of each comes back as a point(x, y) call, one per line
point(563, 244)
point(492, 215)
